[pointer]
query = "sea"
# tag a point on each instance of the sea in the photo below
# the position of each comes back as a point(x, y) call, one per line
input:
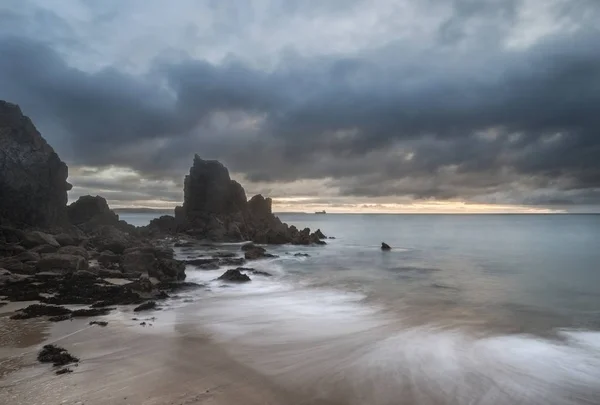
point(465, 309)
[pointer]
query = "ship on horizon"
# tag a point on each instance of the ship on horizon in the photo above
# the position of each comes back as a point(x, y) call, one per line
point(320, 212)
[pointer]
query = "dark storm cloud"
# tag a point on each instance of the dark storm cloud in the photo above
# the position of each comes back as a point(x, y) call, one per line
point(495, 124)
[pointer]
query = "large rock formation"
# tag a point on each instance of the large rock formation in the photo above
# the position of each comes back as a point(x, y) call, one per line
point(33, 179)
point(215, 208)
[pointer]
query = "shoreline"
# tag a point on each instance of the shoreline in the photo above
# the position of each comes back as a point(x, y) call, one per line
point(125, 363)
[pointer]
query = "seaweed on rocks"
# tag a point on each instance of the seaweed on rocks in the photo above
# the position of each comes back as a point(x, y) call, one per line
point(56, 355)
point(37, 310)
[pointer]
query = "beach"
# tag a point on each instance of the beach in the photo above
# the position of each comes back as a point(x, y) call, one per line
point(125, 363)
point(446, 317)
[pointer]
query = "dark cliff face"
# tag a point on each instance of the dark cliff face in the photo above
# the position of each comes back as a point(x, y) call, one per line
point(33, 179)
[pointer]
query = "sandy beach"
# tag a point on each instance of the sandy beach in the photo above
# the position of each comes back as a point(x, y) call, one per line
point(126, 363)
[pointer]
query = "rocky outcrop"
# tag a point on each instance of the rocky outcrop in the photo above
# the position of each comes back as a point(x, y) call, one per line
point(91, 209)
point(33, 179)
point(385, 246)
point(89, 213)
point(215, 208)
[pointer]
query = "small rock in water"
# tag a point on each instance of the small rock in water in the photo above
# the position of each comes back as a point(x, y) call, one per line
point(56, 355)
point(302, 255)
point(385, 246)
point(234, 276)
point(99, 323)
point(145, 306)
point(143, 323)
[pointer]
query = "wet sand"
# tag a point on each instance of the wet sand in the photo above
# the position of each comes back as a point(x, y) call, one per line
point(125, 363)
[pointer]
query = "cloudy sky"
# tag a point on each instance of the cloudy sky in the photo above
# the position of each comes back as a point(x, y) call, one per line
point(344, 105)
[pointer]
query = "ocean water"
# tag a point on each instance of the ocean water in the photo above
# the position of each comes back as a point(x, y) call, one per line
point(465, 309)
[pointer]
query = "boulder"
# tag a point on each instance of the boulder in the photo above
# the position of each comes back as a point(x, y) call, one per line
point(257, 253)
point(138, 261)
point(61, 263)
point(385, 246)
point(64, 239)
point(41, 249)
point(33, 179)
point(28, 257)
point(74, 250)
point(11, 250)
point(17, 266)
point(36, 238)
point(234, 276)
point(113, 239)
point(145, 306)
point(108, 258)
point(169, 270)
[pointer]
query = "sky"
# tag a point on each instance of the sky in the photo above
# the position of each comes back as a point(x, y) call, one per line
point(342, 105)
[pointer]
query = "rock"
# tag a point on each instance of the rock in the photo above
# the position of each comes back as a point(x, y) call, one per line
point(11, 250)
point(257, 253)
point(201, 261)
point(59, 318)
point(320, 234)
point(260, 207)
point(65, 370)
point(222, 255)
point(254, 271)
point(74, 250)
point(145, 306)
point(28, 257)
point(232, 261)
point(84, 313)
point(37, 310)
point(302, 255)
point(33, 179)
point(99, 323)
point(85, 274)
point(169, 270)
point(385, 246)
point(107, 273)
point(208, 189)
point(248, 246)
point(139, 262)
point(113, 239)
point(64, 239)
point(109, 259)
point(234, 276)
point(56, 355)
point(62, 263)
point(144, 284)
point(209, 266)
point(156, 251)
point(91, 210)
point(36, 238)
point(41, 249)
point(17, 266)
point(6, 277)
point(165, 224)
